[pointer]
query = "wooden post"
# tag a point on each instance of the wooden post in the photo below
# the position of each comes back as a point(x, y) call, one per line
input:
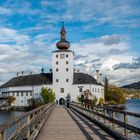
point(125, 121)
point(113, 116)
point(104, 111)
point(28, 122)
point(97, 115)
point(3, 135)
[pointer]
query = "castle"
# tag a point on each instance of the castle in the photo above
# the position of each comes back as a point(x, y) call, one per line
point(62, 79)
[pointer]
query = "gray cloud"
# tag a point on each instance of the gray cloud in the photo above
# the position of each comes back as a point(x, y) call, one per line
point(106, 39)
point(80, 57)
point(134, 65)
point(115, 51)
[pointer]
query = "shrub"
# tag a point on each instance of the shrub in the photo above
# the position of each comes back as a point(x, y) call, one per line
point(101, 101)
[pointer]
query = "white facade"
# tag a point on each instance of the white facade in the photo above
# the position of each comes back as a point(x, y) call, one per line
point(62, 73)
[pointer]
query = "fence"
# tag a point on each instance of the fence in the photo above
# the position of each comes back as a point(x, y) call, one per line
point(26, 126)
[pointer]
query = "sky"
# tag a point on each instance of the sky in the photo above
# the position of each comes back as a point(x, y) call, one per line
point(104, 35)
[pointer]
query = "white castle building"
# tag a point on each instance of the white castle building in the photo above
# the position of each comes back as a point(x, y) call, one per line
point(62, 79)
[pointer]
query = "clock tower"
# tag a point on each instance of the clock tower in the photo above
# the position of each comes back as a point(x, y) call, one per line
point(63, 67)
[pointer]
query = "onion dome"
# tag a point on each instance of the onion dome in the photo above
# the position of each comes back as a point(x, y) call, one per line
point(63, 44)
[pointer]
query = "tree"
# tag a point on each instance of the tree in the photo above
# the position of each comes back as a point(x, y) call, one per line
point(11, 100)
point(47, 95)
point(106, 87)
point(115, 95)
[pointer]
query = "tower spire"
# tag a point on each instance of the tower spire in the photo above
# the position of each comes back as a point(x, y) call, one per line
point(63, 32)
point(63, 44)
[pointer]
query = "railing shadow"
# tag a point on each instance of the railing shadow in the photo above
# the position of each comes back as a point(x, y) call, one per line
point(73, 115)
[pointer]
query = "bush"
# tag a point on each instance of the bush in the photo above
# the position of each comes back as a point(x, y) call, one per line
point(81, 98)
point(94, 101)
point(101, 101)
point(34, 102)
point(112, 102)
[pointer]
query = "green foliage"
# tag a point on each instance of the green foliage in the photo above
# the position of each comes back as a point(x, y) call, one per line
point(81, 98)
point(33, 103)
point(112, 102)
point(47, 95)
point(115, 94)
point(101, 101)
point(94, 101)
point(106, 87)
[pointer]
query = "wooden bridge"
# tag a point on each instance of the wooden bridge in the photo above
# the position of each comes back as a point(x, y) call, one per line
point(52, 122)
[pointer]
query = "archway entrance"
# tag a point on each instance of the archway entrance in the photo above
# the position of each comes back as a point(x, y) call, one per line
point(61, 101)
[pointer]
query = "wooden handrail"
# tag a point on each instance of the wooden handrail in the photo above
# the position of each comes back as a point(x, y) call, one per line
point(124, 123)
point(29, 128)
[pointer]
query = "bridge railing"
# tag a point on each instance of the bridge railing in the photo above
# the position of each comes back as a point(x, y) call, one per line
point(106, 118)
point(26, 126)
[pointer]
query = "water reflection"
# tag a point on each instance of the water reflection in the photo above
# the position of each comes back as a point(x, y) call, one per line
point(9, 115)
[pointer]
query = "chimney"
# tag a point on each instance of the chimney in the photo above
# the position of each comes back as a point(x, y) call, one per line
point(97, 76)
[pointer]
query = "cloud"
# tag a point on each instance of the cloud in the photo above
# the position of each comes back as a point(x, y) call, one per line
point(135, 64)
point(8, 35)
point(4, 11)
point(105, 57)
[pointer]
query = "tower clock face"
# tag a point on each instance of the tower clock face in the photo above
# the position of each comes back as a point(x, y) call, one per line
point(62, 56)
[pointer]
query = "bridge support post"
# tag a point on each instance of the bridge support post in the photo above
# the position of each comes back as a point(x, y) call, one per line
point(104, 111)
point(125, 121)
point(113, 116)
point(3, 135)
point(28, 132)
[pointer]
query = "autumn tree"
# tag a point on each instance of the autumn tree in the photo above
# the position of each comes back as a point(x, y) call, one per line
point(115, 94)
point(11, 100)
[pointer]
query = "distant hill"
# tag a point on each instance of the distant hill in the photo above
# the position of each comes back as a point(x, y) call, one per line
point(135, 85)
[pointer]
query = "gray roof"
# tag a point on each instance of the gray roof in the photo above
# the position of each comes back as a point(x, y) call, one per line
point(37, 79)
point(46, 78)
point(82, 78)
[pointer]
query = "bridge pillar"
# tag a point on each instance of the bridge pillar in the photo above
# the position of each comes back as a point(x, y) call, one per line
point(125, 121)
point(3, 135)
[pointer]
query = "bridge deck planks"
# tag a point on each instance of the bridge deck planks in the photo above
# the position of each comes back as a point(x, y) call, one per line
point(64, 124)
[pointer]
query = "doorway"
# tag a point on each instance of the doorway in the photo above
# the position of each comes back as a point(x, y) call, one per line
point(61, 101)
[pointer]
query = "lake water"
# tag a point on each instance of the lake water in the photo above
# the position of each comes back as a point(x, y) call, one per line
point(9, 115)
